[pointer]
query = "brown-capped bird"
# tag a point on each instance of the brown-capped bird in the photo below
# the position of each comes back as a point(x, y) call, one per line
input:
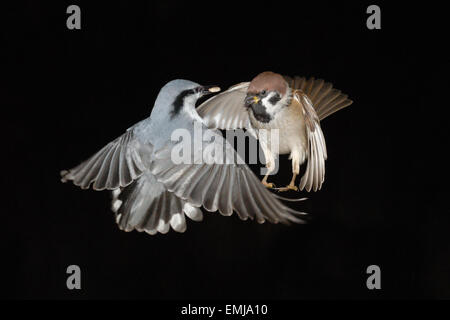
point(294, 106)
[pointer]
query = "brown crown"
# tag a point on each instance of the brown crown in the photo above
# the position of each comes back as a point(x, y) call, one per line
point(269, 81)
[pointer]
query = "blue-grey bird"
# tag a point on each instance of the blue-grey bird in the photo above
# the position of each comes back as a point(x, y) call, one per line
point(152, 193)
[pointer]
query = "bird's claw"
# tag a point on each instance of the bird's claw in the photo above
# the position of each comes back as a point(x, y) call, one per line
point(287, 188)
point(268, 185)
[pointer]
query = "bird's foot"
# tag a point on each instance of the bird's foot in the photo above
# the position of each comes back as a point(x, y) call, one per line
point(268, 185)
point(287, 188)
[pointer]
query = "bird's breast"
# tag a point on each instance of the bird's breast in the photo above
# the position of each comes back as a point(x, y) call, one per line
point(291, 129)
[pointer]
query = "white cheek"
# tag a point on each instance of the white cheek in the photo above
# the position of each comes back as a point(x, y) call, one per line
point(191, 100)
point(270, 108)
point(189, 107)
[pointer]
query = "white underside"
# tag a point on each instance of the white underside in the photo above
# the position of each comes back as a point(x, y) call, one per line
point(292, 133)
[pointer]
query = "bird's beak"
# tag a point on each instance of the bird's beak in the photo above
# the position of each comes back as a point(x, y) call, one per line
point(204, 90)
point(251, 99)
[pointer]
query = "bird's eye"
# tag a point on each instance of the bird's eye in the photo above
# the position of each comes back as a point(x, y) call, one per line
point(263, 92)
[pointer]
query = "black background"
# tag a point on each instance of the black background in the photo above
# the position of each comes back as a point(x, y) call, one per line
point(69, 92)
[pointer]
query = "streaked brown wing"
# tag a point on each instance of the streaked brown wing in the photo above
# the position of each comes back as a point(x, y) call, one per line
point(325, 99)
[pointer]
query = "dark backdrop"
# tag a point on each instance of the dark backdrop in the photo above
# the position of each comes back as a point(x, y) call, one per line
point(69, 92)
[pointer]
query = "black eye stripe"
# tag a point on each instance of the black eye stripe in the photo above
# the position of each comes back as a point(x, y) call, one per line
point(179, 100)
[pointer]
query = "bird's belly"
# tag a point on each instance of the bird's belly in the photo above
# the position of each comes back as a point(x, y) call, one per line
point(291, 138)
point(285, 143)
point(291, 133)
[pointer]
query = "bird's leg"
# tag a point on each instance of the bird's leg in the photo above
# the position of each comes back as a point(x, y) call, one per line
point(270, 168)
point(295, 172)
point(269, 157)
point(267, 184)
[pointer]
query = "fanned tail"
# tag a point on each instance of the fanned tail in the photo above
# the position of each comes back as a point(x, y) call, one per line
point(146, 205)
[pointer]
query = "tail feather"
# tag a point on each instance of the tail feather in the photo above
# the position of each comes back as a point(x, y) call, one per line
point(146, 205)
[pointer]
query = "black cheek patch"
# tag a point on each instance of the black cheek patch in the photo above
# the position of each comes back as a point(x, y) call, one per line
point(259, 111)
point(274, 99)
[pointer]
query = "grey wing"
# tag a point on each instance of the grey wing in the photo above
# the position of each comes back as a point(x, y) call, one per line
point(325, 99)
point(116, 165)
point(317, 151)
point(223, 186)
point(226, 110)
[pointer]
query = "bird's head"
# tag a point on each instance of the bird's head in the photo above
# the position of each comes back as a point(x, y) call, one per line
point(183, 95)
point(267, 94)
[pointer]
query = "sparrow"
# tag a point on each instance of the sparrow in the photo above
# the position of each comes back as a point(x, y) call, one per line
point(294, 107)
point(152, 193)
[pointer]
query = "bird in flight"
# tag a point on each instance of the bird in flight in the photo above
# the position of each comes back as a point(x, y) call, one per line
point(152, 193)
point(294, 107)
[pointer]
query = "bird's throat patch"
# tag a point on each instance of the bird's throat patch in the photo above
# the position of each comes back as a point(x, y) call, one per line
point(260, 113)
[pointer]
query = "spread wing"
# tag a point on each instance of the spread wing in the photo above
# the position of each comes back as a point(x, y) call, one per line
point(152, 193)
point(226, 110)
point(223, 184)
point(325, 99)
point(316, 153)
point(116, 165)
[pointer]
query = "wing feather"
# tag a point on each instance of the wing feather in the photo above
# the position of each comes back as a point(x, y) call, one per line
point(102, 176)
point(225, 199)
point(325, 99)
point(115, 165)
point(239, 205)
point(223, 187)
point(316, 154)
point(226, 110)
point(85, 175)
